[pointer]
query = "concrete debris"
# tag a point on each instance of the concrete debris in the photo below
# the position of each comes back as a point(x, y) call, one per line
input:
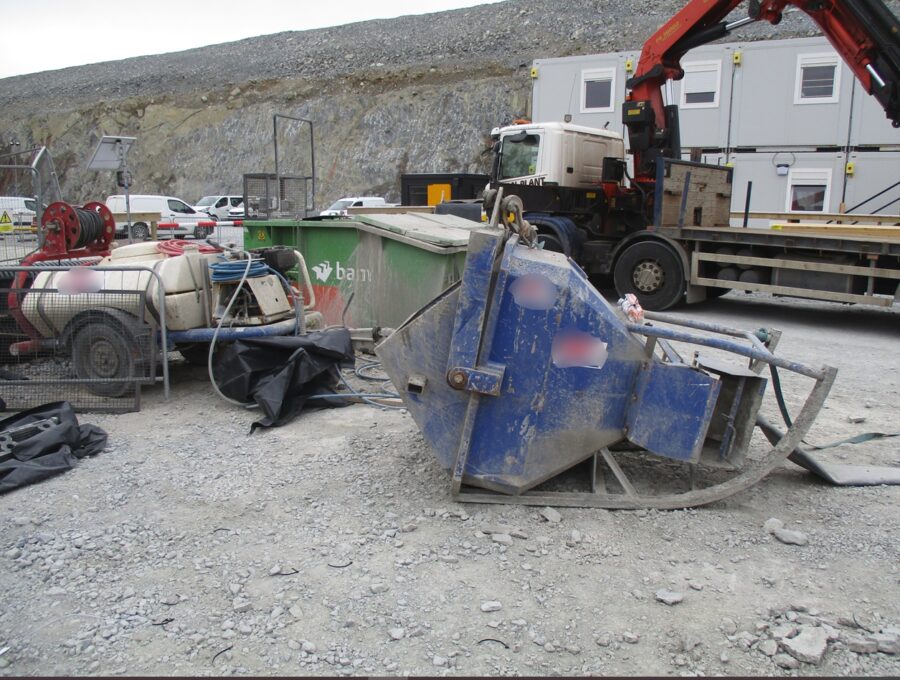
point(669, 597)
point(772, 524)
point(786, 661)
point(860, 645)
point(551, 515)
point(888, 643)
point(791, 537)
point(768, 647)
point(240, 604)
point(809, 646)
point(729, 627)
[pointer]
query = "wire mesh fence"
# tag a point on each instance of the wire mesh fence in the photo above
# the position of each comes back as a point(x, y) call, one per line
point(16, 243)
point(268, 196)
point(86, 335)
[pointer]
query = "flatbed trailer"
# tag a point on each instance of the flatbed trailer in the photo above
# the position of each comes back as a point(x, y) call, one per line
point(689, 252)
point(793, 263)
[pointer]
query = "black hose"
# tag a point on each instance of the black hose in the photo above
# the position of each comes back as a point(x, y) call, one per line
point(779, 396)
point(91, 227)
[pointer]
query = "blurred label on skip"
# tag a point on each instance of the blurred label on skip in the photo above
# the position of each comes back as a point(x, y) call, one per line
point(534, 291)
point(576, 349)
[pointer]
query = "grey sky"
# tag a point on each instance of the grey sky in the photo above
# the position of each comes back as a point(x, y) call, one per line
point(42, 35)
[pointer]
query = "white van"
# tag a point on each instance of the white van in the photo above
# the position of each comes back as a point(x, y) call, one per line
point(340, 206)
point(16, 211)
point(171, 211)
point(217, 207)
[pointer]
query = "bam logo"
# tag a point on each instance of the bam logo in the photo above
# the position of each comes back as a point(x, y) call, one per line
point(324, 270)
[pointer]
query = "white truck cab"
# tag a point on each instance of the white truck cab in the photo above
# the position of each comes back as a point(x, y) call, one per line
point(560, 154)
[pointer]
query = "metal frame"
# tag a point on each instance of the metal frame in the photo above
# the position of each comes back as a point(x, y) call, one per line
point(312, 152)
point(162, 345)
point(871, 273)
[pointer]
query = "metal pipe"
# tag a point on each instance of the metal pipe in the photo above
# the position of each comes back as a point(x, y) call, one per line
point(740, 22)
point(875, 75)
point(747, 203)
point(728, 346)
point(301, 265)
point(285, 327)
point(684, 197)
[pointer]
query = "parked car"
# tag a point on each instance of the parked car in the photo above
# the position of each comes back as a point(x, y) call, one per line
point(217, 207)
point(340, 206)
point(172, 211)
point(16, 211)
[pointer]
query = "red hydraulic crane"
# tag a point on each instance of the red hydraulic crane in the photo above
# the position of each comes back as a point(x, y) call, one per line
point(864, 32)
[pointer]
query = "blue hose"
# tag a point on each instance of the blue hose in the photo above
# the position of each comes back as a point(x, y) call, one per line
point(233, 270)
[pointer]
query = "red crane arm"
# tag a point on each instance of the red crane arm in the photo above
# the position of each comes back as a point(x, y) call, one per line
point(864, 32)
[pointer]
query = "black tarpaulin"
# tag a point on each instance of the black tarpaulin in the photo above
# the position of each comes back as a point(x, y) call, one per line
point(281, 373)
point(42, 442)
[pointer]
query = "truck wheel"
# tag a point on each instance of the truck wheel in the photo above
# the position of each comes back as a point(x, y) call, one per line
point(140, 231)
point(201, 233)
point(101, 351)
point(652, 272)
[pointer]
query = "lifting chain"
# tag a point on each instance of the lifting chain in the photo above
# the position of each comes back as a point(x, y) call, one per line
point(510, 216)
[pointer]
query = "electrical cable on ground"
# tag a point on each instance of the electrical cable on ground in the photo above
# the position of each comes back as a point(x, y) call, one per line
point(212, 344)
point(228, 272)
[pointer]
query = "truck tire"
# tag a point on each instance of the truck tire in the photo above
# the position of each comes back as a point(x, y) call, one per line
point(140, 231)
point(651, 271)
point(102, 351)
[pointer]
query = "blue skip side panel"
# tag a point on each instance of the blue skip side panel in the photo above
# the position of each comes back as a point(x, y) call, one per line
point(571, 375)
point(672, 412)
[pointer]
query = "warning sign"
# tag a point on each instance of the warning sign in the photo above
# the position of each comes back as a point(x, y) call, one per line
point(5, 223)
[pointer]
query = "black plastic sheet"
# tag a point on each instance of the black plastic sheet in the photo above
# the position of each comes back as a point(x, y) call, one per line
point(281, 373)
point(30, 457)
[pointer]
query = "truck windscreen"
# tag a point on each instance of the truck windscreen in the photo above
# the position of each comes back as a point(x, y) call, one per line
point(520, 155)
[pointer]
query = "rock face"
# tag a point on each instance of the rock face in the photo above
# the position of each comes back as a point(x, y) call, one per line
point(412, 94)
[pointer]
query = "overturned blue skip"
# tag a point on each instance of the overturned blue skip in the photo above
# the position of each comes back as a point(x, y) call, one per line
point(531, 388)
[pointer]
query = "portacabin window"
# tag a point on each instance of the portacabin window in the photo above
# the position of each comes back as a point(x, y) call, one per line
point(818, 79)
point(809, 190)
point(598, 88)
point(701, 84)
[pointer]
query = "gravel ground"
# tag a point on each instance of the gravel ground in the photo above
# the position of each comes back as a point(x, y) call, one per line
point(331, 546)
